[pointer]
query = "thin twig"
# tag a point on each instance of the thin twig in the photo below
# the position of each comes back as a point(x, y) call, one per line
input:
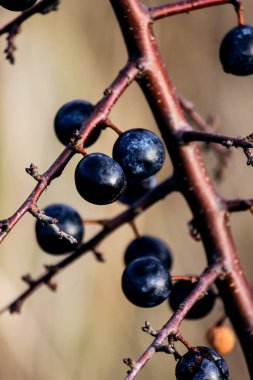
point(171, 327)
point(121, 82)
point(177, 7)
point(156, 194)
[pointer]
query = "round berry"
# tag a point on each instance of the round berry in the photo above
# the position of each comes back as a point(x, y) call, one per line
point(136, 189)
point(17, 5)
point(201, 363)
point(221, 338)
point(148, 246)
point(146, 282)
point(69, 221)
point(140, 153)
point(70, 118)
point(236, 51)
point(99, 179)
point(200, 309)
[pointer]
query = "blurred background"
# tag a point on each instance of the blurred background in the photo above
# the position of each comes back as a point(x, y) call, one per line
point(85, 330)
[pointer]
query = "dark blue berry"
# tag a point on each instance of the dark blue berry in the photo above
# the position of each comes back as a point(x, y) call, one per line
point(99, 179)
point(146, 282)
point(201, 363)
point(69, 221)
point(17, 5)
point(136, 189)
point(70, 118)
point(201, 308)
point(139, 152)
point(148, 246)
point(236, 51)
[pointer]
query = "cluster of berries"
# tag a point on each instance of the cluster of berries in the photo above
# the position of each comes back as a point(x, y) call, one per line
point(138, 154)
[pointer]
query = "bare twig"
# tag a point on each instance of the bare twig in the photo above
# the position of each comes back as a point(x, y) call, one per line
point(172, 326)
point(156, 194)
point(121, 82)
point(177, 7)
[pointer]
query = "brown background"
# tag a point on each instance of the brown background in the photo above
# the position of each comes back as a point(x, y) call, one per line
point(85, 330)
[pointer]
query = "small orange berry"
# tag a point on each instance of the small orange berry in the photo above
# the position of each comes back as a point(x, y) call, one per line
point(221, 338)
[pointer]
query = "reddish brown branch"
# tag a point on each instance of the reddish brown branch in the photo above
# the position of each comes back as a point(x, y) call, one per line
point(177, 7)
point(100, 114)
point(172, 326)
point(235, 205)
point(110, 225)
point(209, 210)
point(226, 141)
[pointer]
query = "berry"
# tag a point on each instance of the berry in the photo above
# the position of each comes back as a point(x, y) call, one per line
point(221, 338)
point(202, 307)
point(236, 51)
point(69, 221)
point(201, 363)
point(70, 118)
point(136, 189)
point(99, 179)
point(148, 246)
point(140, 153)
point(146, 282)
point(17, 5)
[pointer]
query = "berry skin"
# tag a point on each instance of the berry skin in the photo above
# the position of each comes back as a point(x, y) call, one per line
point(69, 221)
point(70, 118)
point(221, 338)
point(139, 152)
point(146, 282)
point(17, 5)
point(136, 189)
point(201, 363)
point(148, 246)
point(99, 179)
point(236, 51)
point(202, 307)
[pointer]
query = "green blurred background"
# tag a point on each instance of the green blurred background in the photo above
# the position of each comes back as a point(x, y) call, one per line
point(85, 330)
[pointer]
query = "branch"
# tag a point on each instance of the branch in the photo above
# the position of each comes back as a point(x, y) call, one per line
point(177, 7)
point(100, 114)
point(110, 225)
point(227, 142)
point(212, 124)
point(171, 327)
point(200, 194)
point(235, 205)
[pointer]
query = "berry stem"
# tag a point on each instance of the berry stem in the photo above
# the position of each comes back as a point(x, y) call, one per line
point(179, 336)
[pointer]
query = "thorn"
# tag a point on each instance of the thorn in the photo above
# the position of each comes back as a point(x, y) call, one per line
point(15, 307)
point(28, 279)
point(4, 225)
point(193, 230)
point(51, 285)
point(129, 362)
point(52, 7)
point(33, 171)
point(149, 329)
point(99, 256)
